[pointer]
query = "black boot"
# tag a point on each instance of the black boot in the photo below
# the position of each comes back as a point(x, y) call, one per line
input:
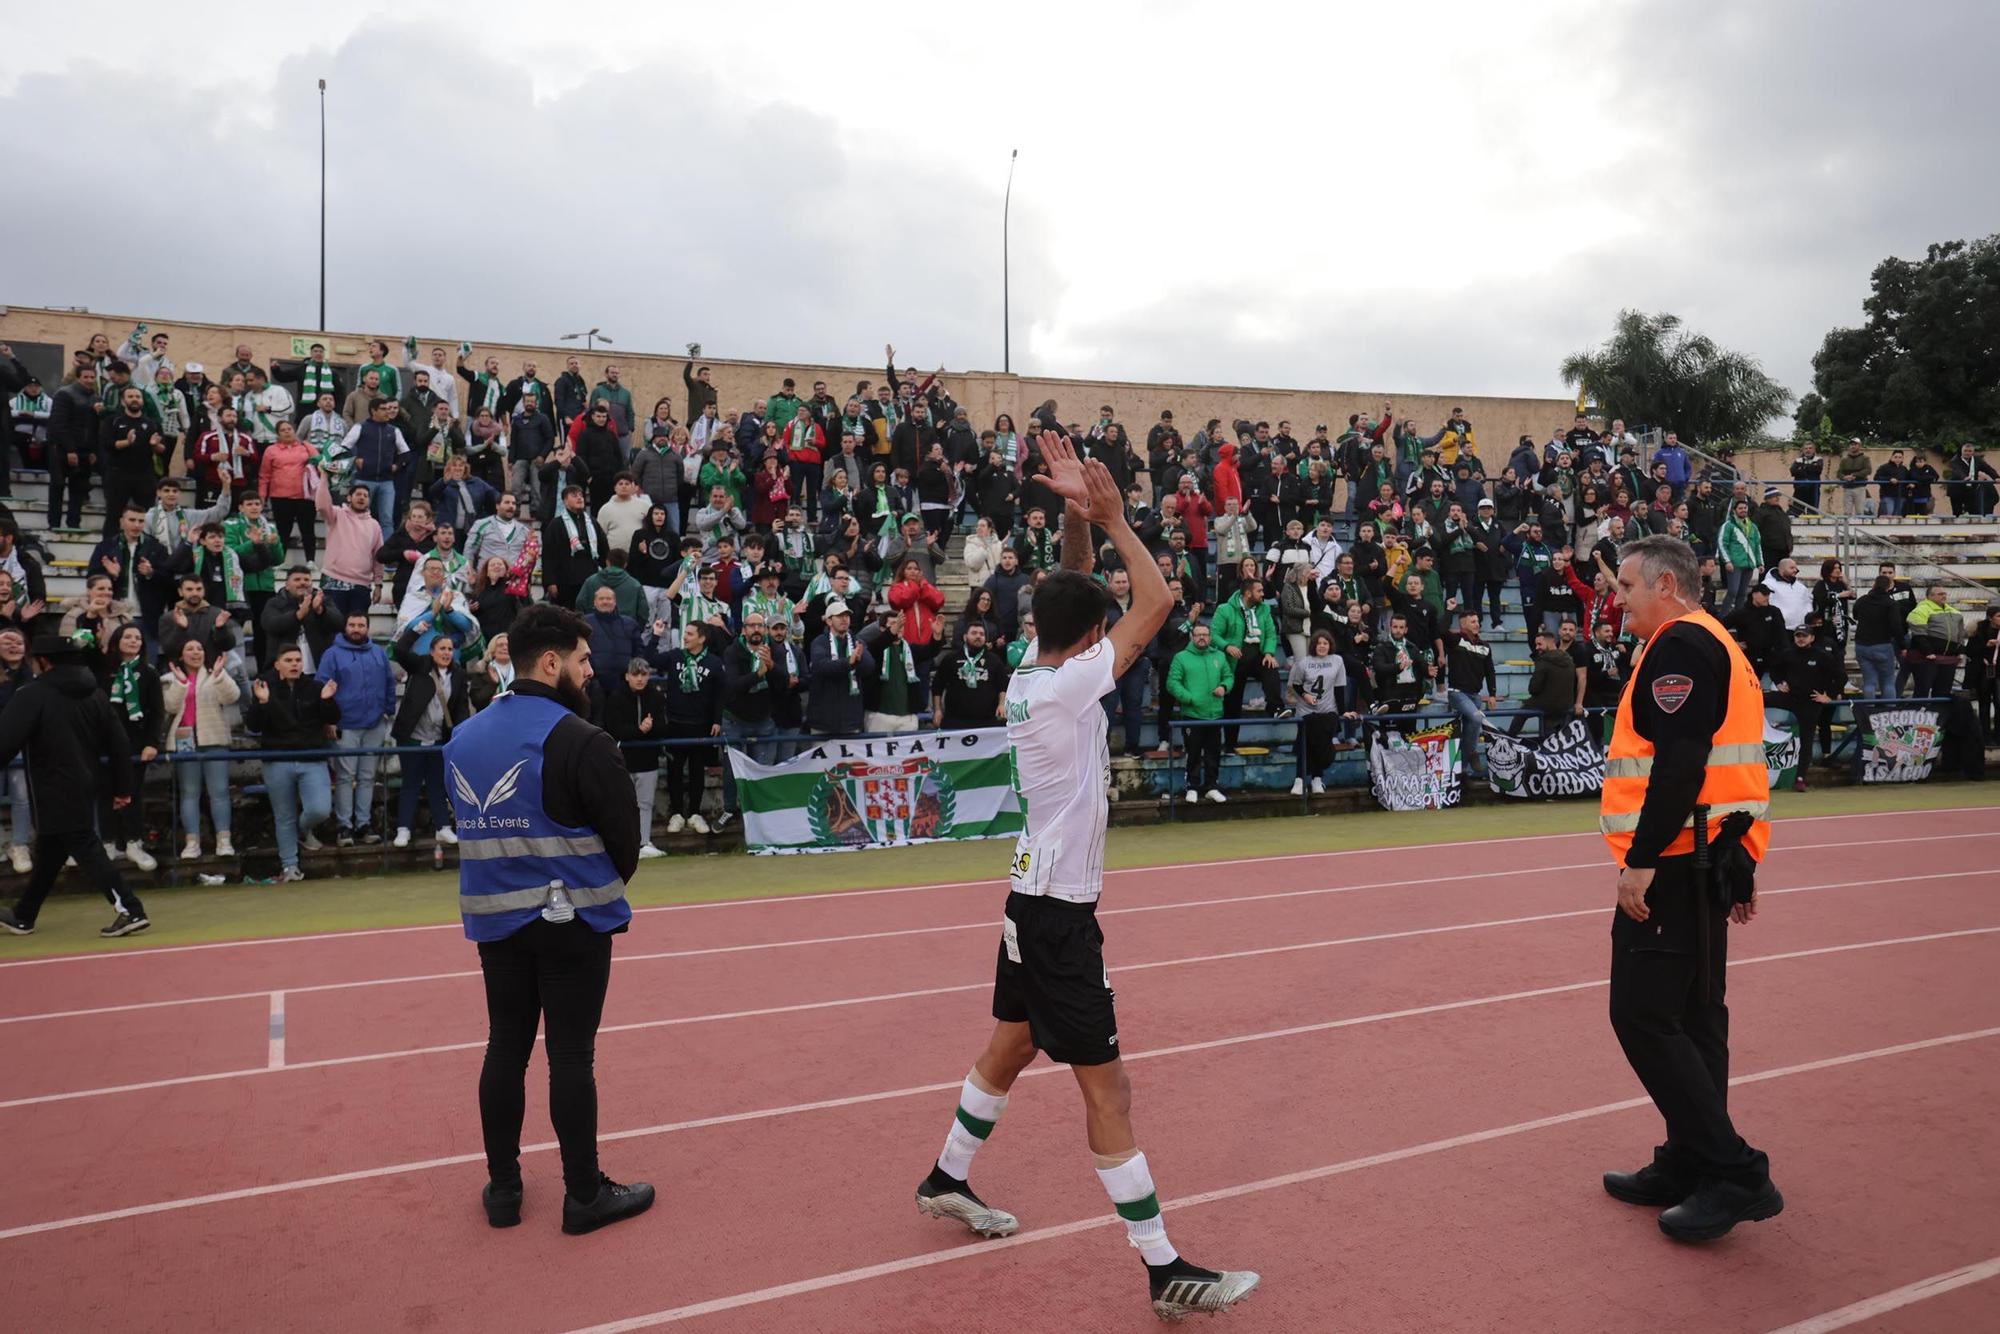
point(613, 1202)
point(503, 1203)
point(1717, 1206)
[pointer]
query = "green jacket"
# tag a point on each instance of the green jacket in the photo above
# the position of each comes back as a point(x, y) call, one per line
point(781, 408)
point(1192, 679)
point(631, 593)
point(1230, 626)
point(1433, 591)
point(731, 480)
point(260, 561)
point(1738, 545)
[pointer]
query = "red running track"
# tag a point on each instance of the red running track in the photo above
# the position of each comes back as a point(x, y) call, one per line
point(1382, 1078)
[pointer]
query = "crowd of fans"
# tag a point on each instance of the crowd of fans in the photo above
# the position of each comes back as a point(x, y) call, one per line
point(756, 575)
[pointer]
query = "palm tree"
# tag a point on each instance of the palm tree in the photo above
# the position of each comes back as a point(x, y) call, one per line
point(1651, 370)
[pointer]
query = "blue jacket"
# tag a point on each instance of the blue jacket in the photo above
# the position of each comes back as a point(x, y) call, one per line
point(367, 693)
point(1678, 464)
point(614, 641)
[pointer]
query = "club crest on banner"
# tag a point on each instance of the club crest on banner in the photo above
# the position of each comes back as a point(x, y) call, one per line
point(861, 802)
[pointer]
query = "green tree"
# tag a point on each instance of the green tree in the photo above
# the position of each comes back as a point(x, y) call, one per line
point(1808, 415)
point(1653, 371)
point(1925, 366)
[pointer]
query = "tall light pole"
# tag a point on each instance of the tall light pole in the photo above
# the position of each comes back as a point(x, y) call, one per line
point(1006, 277)
point(322, 205)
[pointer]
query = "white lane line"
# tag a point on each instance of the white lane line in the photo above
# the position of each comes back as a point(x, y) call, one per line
point(919, 993)
point(987, 924)
point(967, 884)
point(890, 1095)
point(274, 1058)
point(973, 1250)
point(1896, 1298)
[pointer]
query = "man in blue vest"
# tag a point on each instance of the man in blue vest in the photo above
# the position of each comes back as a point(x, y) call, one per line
point(547, 837)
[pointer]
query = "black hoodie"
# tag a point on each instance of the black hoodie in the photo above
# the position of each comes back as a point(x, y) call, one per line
point(66, 728)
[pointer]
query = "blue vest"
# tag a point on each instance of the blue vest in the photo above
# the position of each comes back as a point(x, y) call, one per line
point(510, 853)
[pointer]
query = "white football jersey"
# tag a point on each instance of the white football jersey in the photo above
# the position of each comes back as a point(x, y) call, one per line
point(1062, 770)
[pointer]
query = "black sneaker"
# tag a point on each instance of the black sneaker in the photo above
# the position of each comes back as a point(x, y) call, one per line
point(503, 1204)
point(15, 924)
point(345, 839)
point(370, 838)
point(124, 925)
point(613, 1202)
point(1180, 1289)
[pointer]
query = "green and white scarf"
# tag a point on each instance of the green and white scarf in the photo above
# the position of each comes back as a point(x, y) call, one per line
point(842, 646)
point(125, 690)
point(691, 672)
point(316, 379)
point(588, 535)
point(232, 573)
point(897, 658)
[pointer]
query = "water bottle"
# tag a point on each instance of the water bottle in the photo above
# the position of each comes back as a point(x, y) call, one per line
point(437, 854)
point(560, 909)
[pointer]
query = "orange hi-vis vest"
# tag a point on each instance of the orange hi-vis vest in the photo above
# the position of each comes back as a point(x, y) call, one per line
point(1738, 778)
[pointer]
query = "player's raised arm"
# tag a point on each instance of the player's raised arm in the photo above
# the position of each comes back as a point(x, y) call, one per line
point(1150, 600)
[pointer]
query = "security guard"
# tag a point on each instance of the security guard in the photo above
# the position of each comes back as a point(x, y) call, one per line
point(548, 834)
point(1687, 748)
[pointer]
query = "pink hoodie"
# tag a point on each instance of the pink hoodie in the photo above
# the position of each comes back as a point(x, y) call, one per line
point(351, 539)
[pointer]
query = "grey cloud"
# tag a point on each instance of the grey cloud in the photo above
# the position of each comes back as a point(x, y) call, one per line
point(1785, 148)
point(652, 204)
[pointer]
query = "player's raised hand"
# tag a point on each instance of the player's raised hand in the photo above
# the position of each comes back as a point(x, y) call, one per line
point(1105, 505)
point(1066, 476)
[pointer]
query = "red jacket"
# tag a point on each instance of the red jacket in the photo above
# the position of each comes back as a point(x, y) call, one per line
point(807, 446)
point(920, 601)
point(1228, 481)
point(1195, 512)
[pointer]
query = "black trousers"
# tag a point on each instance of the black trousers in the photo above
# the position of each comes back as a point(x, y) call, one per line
point(55, 846)
point(1674, 1027)
point(558, 974)
point(125, 488)
point(687, 769)
point(294, 516)
point(126, 825)
point(1204, 756)
point(76, 481)
point(1250, 667)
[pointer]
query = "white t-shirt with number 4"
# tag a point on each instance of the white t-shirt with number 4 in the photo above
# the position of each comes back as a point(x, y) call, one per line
point(1062, 769)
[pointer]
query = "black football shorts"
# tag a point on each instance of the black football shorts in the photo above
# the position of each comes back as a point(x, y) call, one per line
point(1051, 977)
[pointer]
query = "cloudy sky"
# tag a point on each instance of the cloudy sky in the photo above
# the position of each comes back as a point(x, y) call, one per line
point(1447, 198)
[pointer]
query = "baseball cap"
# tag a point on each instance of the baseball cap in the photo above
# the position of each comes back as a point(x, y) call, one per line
point(837, 607)
point(1485, 503)
point(195, 366)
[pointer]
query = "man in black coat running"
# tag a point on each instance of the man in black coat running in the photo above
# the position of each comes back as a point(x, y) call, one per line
point(61, 724)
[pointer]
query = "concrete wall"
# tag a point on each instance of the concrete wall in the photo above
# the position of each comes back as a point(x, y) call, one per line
point(1498, 421)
